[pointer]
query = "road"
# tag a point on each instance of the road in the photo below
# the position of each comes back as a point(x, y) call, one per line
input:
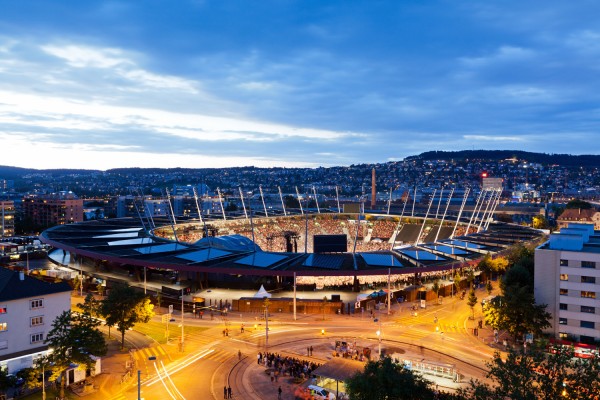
point(210, 361)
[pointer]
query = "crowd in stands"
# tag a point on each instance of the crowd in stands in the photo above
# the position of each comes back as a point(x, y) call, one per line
point(286, 365)
point(281, 234)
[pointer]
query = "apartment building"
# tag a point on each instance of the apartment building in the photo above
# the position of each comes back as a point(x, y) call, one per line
point(7, 218)
point(55, 209)
point(28, 306)
point(567, 279)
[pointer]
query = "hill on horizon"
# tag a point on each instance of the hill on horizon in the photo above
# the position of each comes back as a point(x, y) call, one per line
point(568, 160)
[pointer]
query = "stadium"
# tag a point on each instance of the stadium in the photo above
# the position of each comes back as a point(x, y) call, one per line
point(321, 248)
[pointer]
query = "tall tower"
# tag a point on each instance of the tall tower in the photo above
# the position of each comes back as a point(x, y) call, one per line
point(373, 189)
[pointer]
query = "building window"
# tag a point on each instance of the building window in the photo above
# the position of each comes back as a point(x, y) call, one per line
point(589, 310)
point(564, 292)
point(3, 344)
point(3, 326)
point(588, 279)
point(564, 263)
point(564, 307)
point(562, 321)
point(588, 295)
point(587, 324)
point(563, 335)
point(564, 277)
point(37, 303)
point(588, 264)
point(37, 337)
point(37, 321)
point(2, 310)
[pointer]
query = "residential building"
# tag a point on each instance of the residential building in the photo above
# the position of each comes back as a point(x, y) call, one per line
point(56, 209)
point(567, 279)
point(7, 218)
point(28, 306)
point(578, 215)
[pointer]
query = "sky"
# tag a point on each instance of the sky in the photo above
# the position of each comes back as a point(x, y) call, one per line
point(293, 83)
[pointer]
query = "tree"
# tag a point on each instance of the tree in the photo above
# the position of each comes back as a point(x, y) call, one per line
point(536, 376)
point(5, 381)
point(125, 307)
point(470, 277)
point(578, 203)
point(457, 281)
point(472, 301)
point(91, 306)
point(74, 338)
point(436, 287)
point(489, 287)
point(517, 313)
point(540, 222)
point(384, 379)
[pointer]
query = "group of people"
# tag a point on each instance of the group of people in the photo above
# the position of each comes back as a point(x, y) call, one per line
point(227, 392)
point(286, 365)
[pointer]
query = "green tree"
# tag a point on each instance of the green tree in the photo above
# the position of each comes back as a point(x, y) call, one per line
point(384, 379)
point(578, 203)
point(472, 301)
point(517, 313)
point(74, 338)
point(489, 287)
point(91, 306)
point(125, 307)
point(5, 381)
point(457, 282)
point(436, 287)
point(540, 222)
point(537, 376)
point(470, 277)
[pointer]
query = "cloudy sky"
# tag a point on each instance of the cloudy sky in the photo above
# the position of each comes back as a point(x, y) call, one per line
point(212, 83)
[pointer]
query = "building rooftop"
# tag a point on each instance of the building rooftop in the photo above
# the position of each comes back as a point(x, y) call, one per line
point(16, 285)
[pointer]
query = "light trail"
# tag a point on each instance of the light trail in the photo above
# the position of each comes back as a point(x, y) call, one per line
point(180, 366)
point(170, 380)
point(163, 382)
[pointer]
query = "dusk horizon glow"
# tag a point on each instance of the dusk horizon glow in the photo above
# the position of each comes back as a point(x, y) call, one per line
point(207, 84)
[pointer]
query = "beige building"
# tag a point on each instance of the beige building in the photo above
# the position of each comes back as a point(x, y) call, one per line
point(577, 215)
point(567, 279)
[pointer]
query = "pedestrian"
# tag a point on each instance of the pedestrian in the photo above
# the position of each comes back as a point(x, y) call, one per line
point(201, 314)
point(211, 316)
point(239, 354)
point(258, 358)
point(223, 332)
point(279, 393)
point(224, 392)
point(229, 395)
point(311, 350)
point(242, 328)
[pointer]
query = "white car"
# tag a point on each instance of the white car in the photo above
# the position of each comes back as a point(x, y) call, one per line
point(320, 394)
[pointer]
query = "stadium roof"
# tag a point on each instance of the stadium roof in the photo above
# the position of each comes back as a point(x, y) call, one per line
point(126, 242)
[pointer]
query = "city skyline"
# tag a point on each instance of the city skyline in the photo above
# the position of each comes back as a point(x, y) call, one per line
point(100, 85)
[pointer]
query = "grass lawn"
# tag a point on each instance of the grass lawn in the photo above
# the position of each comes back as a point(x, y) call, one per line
point(156, 330)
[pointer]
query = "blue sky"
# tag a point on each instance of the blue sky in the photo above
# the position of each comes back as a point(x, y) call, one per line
point(218, 83)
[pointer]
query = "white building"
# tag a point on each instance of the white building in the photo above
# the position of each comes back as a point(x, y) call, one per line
point(567, 279)
point(28, 306)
